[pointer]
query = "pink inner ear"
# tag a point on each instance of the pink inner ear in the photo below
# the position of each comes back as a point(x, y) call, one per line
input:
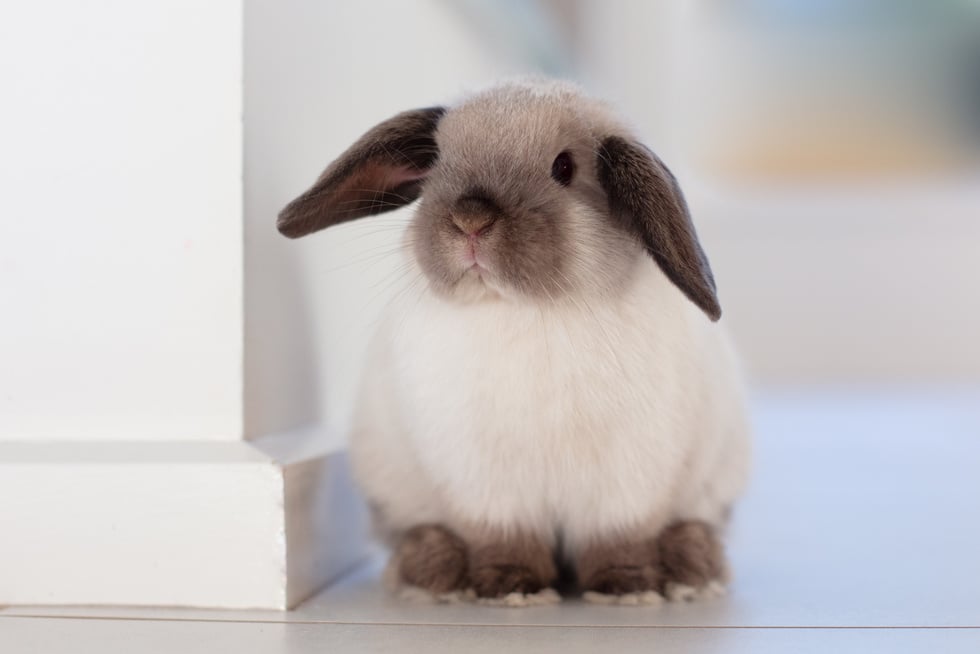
point(402, 174)
point(374, 177)
point(374, 187)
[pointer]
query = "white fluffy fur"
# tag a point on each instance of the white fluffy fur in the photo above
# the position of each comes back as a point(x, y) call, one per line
point(591, 418)
point(645, 598)
point(543, 597)
point(685, 593)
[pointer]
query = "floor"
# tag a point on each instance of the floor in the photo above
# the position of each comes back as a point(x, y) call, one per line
point(860, 533)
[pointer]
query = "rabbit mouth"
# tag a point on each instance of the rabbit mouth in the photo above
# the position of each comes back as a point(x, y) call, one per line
point(474, 260)
point(474, 283)
point(476, 273)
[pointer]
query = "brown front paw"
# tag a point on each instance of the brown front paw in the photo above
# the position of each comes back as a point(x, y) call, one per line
point(432, 558)
point(504, 579)
point(621, 580)
point(519, 564)
point(619, 569)
point(692, 555)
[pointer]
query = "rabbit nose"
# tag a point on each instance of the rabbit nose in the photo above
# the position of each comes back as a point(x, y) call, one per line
point(474, 214)
point(473, 224)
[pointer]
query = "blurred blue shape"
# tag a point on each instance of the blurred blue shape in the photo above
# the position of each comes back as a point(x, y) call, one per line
point(525, 29)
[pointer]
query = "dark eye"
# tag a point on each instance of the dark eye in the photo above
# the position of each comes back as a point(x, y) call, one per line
point(563, 169)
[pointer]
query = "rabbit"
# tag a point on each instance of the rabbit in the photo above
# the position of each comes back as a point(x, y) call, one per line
point(557, 401)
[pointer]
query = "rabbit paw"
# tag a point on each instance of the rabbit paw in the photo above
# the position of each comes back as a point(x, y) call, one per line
point(693, 561)
point(522, 565)
point(431, 558)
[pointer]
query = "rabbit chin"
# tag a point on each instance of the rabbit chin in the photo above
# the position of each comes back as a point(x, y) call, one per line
point(475, 284)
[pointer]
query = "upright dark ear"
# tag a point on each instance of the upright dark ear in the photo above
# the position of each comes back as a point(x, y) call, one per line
point(382, 171)
point(644, 197)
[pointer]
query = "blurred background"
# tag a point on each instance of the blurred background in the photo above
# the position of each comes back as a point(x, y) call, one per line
point(829, 149)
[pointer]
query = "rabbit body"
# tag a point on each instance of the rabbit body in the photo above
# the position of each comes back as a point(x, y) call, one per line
point(557, 383)
point(584, 420)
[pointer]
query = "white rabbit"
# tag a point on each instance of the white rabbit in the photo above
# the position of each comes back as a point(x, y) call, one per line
point(557, 396)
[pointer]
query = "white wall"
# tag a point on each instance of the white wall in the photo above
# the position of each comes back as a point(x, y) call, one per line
point(120, 220)
point(825, 174)
point(317, 75)
point(874, 285)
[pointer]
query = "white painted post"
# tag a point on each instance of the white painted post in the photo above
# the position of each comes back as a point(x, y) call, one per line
point(124, 476)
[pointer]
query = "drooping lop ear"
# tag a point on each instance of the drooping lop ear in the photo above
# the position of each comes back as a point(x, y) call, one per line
point(645, 199)
point(382, 171)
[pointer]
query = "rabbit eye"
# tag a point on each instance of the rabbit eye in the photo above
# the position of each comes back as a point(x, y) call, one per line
point(563, 169)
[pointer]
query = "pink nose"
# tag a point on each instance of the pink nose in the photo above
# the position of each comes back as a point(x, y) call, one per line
point(474, 212)
point(473, 224)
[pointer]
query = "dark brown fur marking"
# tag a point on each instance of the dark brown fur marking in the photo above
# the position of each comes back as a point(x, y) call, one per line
point(687, 553)
point(380, 172)
point(691, 554)
point(520, 564)
point(619, 569)
point(433, 558)
point(645, 198)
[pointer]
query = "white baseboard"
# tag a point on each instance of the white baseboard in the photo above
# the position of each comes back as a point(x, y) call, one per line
point(202, 524)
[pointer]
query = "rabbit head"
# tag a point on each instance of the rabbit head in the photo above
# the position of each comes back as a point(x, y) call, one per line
point(530, 191)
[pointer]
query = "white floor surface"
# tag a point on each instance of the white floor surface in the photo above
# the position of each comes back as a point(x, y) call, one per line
point(860, 533)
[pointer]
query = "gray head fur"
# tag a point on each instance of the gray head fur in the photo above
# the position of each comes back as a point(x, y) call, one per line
point(494, 221)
